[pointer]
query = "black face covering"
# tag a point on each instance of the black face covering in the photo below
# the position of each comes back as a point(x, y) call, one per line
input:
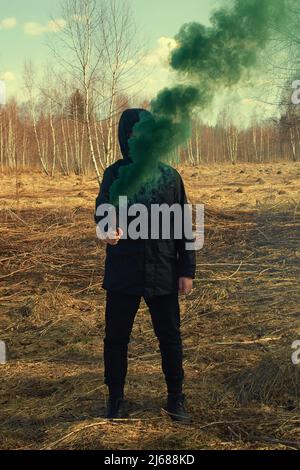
point(127, 121)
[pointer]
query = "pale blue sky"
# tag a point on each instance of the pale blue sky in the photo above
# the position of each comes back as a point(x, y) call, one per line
point(155, 18)
point(23, 35)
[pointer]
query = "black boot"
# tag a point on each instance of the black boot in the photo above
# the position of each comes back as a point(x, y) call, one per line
point(175, 408)
point(114, 409)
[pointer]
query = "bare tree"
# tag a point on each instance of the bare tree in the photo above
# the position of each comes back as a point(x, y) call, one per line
point(97, 49)
point(29, 82)
point(75, 52)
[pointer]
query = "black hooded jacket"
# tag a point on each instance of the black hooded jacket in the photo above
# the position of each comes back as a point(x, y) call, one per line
point(145, 267)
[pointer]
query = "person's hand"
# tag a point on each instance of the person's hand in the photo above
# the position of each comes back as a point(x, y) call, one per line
point(185, 285)
point(113, 237)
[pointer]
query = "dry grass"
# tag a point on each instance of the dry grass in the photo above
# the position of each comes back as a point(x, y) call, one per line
point(238, 325)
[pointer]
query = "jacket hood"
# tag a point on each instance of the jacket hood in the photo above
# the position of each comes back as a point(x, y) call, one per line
point(127, 121)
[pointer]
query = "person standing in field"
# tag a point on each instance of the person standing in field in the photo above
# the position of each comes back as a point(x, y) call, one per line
point(155, 269)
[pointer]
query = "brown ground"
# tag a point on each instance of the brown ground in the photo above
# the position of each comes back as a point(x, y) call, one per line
point(238, 325)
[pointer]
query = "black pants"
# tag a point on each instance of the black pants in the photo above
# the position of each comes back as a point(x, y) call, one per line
point(119, 317)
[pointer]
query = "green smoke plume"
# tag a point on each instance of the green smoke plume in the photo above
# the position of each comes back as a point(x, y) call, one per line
point(155, 136)
point(206, 58)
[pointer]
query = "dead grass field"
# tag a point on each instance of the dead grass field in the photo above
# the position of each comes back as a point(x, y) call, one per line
point(238, 324)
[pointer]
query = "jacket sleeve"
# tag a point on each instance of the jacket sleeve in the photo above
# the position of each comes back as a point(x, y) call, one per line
point(186, 258)
point(103, 196)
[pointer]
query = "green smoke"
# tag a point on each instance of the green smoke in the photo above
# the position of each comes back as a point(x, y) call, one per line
point(205, 58)
point(223, 52)
point(156, 135)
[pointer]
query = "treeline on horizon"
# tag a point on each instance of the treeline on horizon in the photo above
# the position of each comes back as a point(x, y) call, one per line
point(56, 140)
point(68, 122)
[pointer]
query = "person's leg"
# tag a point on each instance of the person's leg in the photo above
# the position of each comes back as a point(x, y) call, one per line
point(119, 317)
point(165, 315)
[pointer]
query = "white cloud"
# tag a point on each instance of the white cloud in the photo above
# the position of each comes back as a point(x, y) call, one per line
point(7, 76)
point(154, 69)
point(36, 29)
point(160, 55)
point(55, 26)
point(8, 23)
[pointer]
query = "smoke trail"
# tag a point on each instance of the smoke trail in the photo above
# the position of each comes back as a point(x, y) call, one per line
point(206, 58)
point(156, 135)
